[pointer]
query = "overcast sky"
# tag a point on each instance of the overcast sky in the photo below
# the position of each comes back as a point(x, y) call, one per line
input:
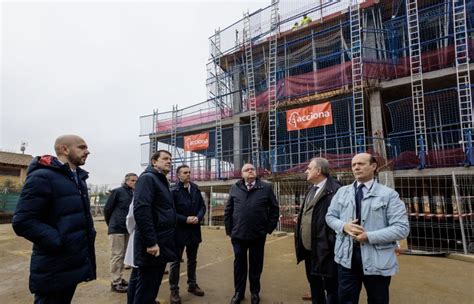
point(92, 68)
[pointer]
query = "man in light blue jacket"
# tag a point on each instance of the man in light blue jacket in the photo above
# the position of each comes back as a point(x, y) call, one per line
point(369, 219)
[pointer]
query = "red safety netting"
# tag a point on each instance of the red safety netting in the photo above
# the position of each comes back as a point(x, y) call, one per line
point(436, 159)
point(192, 120)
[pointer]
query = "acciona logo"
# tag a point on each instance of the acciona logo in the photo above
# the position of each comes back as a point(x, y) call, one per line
point(296, 117)
point(195, 142)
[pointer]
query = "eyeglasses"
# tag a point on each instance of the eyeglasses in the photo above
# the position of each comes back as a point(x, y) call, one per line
point(249, 169)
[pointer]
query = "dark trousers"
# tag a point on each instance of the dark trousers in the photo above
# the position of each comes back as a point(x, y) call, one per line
point(323, 289)
point(350, 283)
point(148, 284)
point(132, 285)
point(63, 297)
point(255, 250)
point(191, 255)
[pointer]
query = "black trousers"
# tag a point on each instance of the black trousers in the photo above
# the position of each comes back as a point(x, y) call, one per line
point(63, 297)
point(132, 285)
point(255, 249)
point(191, 260)
point(148, 284)
point(350, 283)
point(323, 289)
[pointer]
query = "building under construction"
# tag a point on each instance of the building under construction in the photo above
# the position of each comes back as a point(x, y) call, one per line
point(333, 78)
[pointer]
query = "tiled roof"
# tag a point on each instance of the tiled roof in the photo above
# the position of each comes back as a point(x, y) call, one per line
point(8, 158)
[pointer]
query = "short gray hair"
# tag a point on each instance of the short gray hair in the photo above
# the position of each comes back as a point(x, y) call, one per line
point(323, 164)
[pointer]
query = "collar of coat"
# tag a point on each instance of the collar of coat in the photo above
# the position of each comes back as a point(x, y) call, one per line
point(161, 176)
point(53, 163)
point(258, 184)
point(330, 186)
point(180, 185)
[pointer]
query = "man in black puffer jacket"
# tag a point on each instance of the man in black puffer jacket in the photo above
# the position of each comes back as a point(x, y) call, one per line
point(250, 213)
point(53, 212)
point(115, 214)
point(155, 217)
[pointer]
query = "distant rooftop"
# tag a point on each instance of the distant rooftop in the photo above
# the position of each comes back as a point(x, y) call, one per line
point(10, 158)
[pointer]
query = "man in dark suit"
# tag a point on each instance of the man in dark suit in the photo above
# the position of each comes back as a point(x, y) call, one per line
point(190, 210)
point(155, 218)
point(314, 239)
point(250, 213)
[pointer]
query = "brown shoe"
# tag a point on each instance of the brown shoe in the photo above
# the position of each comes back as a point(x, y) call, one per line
point(306, 297)
point(174, 297)
point(196, 290)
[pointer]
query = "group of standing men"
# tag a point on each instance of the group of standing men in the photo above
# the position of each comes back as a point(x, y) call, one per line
point(345, 235)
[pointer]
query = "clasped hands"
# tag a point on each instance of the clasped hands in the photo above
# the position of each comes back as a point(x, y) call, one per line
point(154, 250)
point(356, 231)
point(192, 220)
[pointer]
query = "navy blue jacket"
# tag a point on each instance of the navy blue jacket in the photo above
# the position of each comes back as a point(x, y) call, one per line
point(155, 218)
point(53, 212)
point(188, 203)
point(116, 209)
point(251, 214)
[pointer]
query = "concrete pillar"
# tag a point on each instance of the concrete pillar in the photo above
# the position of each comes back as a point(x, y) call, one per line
point(237, 146)
point(377, 124)
point(237, 96)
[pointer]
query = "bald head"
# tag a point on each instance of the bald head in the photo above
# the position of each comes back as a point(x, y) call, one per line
point(364, 166)
point(71, 149)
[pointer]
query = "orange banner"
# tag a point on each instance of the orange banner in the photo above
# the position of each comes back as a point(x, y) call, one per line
point(309, 117)
point(196, 142)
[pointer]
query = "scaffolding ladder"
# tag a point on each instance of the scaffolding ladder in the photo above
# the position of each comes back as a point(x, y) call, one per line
point(153, 141)
point(218, 102)
point(357, 77)
point(463, 78)
point(252, 103)
point(416, 74)
point(174, 128)
point(272, 95)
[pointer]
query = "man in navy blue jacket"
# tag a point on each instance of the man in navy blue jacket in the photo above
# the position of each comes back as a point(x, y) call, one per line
point(155, 218)
point(190, 210)
point(115, 214)
point(250, 213)
point(53, 212)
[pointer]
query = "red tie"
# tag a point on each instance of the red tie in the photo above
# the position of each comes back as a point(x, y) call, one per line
point(249, 186)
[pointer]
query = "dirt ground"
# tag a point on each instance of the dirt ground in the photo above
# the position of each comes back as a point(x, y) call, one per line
point(421, 279)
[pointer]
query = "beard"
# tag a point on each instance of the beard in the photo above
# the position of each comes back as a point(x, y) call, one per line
point(77, 160)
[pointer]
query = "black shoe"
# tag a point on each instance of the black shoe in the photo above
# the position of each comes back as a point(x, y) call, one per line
point(118, 288)
point(174, 297)
point(196, 290)
point(236, 298)
point(255, 298)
